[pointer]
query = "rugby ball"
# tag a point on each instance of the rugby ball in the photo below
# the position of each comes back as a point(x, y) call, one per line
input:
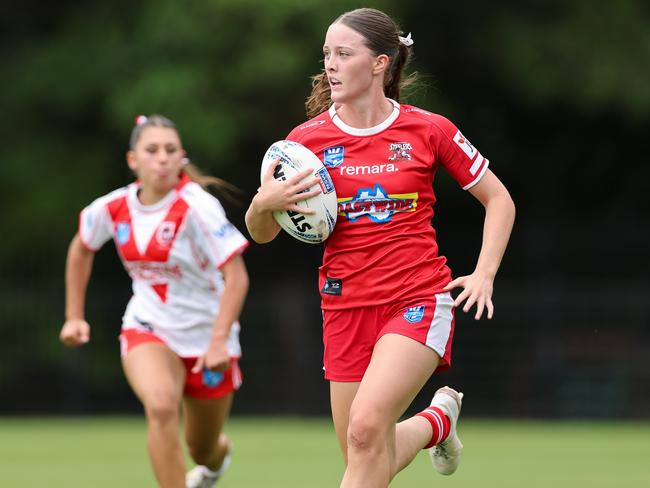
point(294, 158)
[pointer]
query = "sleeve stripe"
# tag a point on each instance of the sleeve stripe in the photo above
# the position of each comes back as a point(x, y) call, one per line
point(477, 164)
point(478, 178)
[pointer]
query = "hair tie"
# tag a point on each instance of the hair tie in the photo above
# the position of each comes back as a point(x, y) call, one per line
point(185, 161)
point(141, 119)
point(407, 41)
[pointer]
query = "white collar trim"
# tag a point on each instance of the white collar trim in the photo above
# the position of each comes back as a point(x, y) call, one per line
point(354, 131)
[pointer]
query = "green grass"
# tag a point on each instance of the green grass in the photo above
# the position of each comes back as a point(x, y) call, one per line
point(275, 452)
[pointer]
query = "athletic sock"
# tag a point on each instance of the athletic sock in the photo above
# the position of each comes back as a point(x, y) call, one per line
point(440, 424)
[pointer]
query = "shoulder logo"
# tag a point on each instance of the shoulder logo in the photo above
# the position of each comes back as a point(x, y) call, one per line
point(465, 145)
point(122, 232)
point(333, 156)
point(400, 151)
point(312, 124)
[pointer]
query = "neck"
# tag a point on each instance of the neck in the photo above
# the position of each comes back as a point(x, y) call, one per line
point(364, 113)
point(149, 196)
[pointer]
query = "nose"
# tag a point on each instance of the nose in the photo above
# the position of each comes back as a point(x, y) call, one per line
point(329, 64)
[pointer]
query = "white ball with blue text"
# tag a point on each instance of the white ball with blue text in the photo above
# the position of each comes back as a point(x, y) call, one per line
point(294, 158)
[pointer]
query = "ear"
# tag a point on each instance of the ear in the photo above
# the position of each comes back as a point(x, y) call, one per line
point(130, 160)
point(382, 62)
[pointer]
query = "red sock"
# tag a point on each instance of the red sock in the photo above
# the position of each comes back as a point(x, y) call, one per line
point(439, 423)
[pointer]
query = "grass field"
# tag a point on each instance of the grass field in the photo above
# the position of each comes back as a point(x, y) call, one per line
point(275, 452)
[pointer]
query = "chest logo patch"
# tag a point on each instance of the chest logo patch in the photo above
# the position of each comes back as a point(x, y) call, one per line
point(165, 233)
point(376, 204)
point(333, 156)
point(400, 151)
point(122, 232)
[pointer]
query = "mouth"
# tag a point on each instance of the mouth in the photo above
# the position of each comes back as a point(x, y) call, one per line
point(334, 82)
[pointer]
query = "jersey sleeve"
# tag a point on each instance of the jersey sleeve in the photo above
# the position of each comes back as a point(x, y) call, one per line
point(456, 154)
point(219, 239)
point(95, 225)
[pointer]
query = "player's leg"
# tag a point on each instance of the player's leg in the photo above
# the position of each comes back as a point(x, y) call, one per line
point(157, 376)
point(398, 369)
point(341, 396)
point(208, 446)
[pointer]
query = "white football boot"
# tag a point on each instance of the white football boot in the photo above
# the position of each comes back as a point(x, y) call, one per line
point(445, 455)
point(202, 477)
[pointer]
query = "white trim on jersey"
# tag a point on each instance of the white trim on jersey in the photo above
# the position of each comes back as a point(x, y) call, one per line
point(440, 327)
point(354, 131)
point(480, 175)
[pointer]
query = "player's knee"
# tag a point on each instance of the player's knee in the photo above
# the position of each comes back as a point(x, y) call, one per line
point(366, 432)
point(162, 408)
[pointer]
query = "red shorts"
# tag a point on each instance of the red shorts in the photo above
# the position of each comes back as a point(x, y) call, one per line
point(204, 385)
point(350, 335)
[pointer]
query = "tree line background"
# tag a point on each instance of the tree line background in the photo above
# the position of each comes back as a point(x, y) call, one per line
point(555, 93)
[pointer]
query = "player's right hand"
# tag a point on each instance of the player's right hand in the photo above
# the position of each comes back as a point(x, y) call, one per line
point(284, 195)
point(75, 333)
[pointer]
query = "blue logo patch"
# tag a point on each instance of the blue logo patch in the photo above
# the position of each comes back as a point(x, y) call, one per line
point(333, 156)
point(414, 314)
point(212, 379)
point(327, 183)
point(122, 232)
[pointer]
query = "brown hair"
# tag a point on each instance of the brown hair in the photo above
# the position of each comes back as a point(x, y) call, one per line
point(194, 173)
point(381, 35)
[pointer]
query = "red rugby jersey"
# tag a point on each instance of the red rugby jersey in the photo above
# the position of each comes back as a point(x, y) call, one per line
point(383, 248)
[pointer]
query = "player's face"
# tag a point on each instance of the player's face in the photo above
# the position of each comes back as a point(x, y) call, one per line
point(350, 65)
point(157, 159)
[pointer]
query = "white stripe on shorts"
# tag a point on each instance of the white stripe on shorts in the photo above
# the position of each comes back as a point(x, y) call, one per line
point(440, 326)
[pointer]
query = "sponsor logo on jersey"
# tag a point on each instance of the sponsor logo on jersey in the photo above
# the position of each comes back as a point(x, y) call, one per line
point(376, 204)
point(152, 271)
point(332, 286)
point(400, 151)
point(122, 232)
point(417, 110)
point(326, 183)
point(371, 169)
point(333, 156)
point(465, 145)
point(165, 233)
point(212, 379)
point(414, 314)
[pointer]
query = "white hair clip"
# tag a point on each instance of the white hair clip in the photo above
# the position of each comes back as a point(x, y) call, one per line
point(141, 119)
point(407, 41)
point(185, 161)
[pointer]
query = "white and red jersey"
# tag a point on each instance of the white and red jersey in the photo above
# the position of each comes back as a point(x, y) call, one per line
point(173, 251)
point(383, 248)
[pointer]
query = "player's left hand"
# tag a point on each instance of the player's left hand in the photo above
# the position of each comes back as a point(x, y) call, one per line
point(216, 358)
point(477, 289)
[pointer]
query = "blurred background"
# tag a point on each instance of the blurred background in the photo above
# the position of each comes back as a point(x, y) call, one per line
point(555, 93)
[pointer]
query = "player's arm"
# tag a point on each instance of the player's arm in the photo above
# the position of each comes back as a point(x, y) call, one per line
point(499, 218)
point(277, 195)
point(236, 282)
point(79, 263)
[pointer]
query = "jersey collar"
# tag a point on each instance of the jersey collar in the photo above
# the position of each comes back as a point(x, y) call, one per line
point(354, 131)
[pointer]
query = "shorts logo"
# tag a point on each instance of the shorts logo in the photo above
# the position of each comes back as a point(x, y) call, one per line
point(123, 232)
point(465, 145)
point(332, 286)
point(400, 151)
point(414, 314)
point(212, 379)
point(333, 156)
point(165, 233)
